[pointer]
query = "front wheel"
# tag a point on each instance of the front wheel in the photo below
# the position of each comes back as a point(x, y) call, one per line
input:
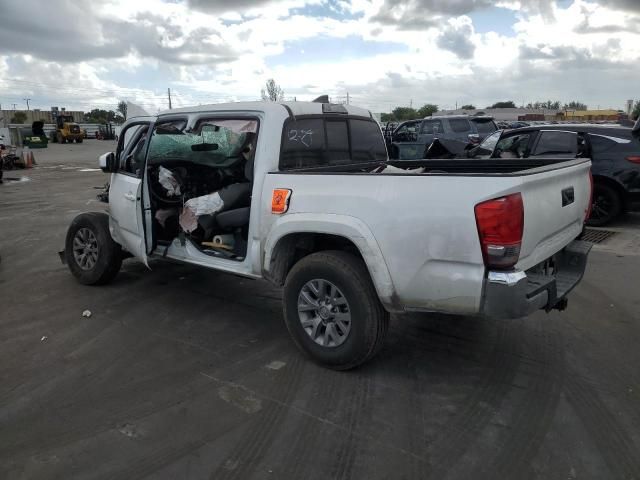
point(606, 205)
point(332, 311)
point(91, 254)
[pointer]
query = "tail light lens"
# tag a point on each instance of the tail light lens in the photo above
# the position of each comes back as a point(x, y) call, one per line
point(587, 212)
point(500, 224)
point(474, 138)
point(633, 159)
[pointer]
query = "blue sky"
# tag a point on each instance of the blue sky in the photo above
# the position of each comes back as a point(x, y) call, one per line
point(384, 53)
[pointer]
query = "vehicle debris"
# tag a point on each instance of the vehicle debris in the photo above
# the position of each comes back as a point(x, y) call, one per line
point(169, 182)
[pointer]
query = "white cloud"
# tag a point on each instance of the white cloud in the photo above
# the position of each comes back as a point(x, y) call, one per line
point(225, 51)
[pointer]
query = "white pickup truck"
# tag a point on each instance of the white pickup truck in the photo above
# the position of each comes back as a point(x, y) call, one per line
point(303, 195)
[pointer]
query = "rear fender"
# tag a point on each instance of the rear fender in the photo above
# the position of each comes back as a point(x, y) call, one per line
point(345, 226)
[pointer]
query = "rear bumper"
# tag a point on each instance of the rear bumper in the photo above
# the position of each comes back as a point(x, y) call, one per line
point(517, 294)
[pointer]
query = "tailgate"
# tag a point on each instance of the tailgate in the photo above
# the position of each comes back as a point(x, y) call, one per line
point(555, 204)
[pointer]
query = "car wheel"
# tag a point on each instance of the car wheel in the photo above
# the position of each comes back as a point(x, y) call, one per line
point(91, 254)
point(606, 205)
point(332, 311)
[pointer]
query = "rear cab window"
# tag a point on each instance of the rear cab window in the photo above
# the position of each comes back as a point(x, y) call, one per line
point(323, 141)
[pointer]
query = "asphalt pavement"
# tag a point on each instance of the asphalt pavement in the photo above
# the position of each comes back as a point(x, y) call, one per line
point(186, 373)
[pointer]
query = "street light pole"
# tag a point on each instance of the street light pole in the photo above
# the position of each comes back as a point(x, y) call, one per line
point(27, 100)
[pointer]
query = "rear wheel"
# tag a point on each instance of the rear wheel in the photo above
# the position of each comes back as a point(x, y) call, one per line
point(332, 310)
point(91, 254)
point(606, 205)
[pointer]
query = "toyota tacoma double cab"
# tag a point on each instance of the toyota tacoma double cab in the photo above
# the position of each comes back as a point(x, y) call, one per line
point(303, 194)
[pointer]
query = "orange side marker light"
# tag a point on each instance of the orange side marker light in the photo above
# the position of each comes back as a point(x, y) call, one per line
point(280, 200)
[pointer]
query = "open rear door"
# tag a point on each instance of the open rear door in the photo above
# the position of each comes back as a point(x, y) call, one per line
point(125, 191)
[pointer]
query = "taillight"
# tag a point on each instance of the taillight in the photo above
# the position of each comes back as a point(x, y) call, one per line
point(474, 138)
point(587, 212)
point(500, 224)
point(633, 159)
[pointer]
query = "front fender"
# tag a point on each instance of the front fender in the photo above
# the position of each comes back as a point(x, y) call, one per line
point(345, 226)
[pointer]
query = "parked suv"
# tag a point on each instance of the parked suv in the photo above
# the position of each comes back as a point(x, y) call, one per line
point(411, 138)
point(614, 153)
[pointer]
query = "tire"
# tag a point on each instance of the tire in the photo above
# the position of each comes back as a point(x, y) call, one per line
point(105, 264)
point(355, 295)
point(606, 205)
point(79, 140)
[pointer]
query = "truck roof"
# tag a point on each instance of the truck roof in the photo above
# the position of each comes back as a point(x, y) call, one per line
point(296, 108)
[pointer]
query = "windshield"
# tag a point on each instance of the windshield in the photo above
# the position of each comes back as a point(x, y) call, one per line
point(212, 142)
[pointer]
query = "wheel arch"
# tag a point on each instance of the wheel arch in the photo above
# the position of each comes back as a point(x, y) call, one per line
point(610, 182)
point(296, 236)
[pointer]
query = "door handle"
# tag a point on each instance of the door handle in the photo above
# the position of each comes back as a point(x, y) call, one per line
point(130, 196)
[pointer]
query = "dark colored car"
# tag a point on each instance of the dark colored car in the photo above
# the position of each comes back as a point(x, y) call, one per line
point(410, 139)
point(614, 152)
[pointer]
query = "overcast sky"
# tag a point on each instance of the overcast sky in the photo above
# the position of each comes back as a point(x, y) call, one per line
point(384, 53)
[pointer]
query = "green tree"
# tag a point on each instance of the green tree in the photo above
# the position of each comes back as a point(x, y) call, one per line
point(122, 109)
point(573, 105)
point(272, 92)
point(468, 107)
point(427, 110)
point(507, 104)
point(386, 117)
point(19, 117)
point(404, 113)
point(549, 104)
point(98, 115)
point(635, 114)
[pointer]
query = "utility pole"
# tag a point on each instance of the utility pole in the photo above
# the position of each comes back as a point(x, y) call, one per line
point(347, 98)
point(14, 106)
point(169, 94)
point(27, 100)
point(411, 103)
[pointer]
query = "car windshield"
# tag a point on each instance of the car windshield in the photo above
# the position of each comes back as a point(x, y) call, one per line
point(211, 142)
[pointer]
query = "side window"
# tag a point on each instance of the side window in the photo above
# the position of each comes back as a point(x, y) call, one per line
point(131, 158)
point(459, 125)
point(556, 143)
point(432, 126)
point(407, 132)
point(303, 144)
point(366, 141)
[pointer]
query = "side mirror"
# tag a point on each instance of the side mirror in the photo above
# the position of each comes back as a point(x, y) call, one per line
point(107, 162)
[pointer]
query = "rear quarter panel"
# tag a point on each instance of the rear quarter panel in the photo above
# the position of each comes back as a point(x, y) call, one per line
point(424, 227)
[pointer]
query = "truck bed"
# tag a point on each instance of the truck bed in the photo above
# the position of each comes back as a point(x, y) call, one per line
point(424, 223)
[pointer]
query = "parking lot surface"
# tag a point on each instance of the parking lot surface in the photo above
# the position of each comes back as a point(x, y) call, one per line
point(181, 372)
